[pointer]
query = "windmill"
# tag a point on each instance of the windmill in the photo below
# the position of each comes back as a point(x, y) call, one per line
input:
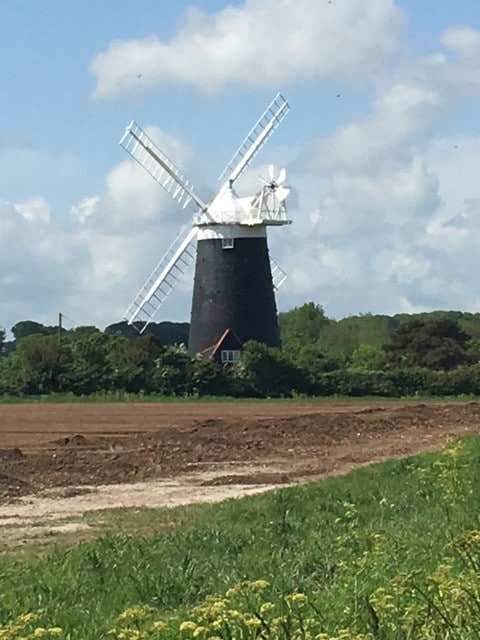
point(234, 277)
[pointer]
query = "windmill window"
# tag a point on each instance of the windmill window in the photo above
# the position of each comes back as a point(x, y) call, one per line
point(227, 243)
point(230, 355)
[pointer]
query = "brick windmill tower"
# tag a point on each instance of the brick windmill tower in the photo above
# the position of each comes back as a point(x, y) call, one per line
point(235, 279)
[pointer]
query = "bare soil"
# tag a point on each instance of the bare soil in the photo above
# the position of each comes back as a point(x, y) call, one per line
point(61, 460)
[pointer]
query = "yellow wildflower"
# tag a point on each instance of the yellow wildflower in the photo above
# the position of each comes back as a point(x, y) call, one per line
point(135, 614)
point(217, 624)
point(266, 607)
point(299, 598)
point(26, 618)
point(251, 621)
point(232, 592)
point(260, 585)
point(233, 614)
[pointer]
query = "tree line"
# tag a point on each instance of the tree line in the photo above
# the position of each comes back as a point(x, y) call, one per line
point(434, 354)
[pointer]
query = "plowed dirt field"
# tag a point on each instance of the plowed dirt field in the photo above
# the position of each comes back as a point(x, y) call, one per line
point(58, 460)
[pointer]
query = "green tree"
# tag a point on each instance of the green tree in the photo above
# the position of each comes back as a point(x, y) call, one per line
point(173, 333)
point(210, 378)
point(473, 348)
point(26, 328)
point(342, 337)
point(438, 344)
point(40, 365)
point(173, 371)
point(301, 325)
point(132, 363)
point(90, 370)
point(266, 372)
point(12, 380)
point(366, 357)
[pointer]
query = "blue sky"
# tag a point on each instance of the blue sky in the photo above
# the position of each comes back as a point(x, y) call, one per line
point(381, 147)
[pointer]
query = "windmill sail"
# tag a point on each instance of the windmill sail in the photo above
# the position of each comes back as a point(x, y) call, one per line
point(159, 166)
point(278, 274)
point(256, 138)
point(166, 274)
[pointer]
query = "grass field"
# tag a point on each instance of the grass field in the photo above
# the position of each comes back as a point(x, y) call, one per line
point(389, 551)
point(122, 396)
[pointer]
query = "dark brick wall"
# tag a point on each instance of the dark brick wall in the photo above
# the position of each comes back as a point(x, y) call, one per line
point(233, 290)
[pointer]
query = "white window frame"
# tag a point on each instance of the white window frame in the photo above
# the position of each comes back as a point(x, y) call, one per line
point(229, 356)
point(228, 243)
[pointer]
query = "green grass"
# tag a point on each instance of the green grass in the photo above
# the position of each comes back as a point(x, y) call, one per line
point(123, 397)
point(337, 541)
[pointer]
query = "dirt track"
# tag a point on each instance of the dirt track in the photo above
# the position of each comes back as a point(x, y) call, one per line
point(131, 454)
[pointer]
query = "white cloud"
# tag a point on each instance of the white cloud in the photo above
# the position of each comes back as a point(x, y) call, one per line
point(84, 209)
point(36, 208)
point(260, 44)
point(455, 160)
point(465, 41)
point(402, 266)
point(39, 264)
point(401, 202)
point(404, 116)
